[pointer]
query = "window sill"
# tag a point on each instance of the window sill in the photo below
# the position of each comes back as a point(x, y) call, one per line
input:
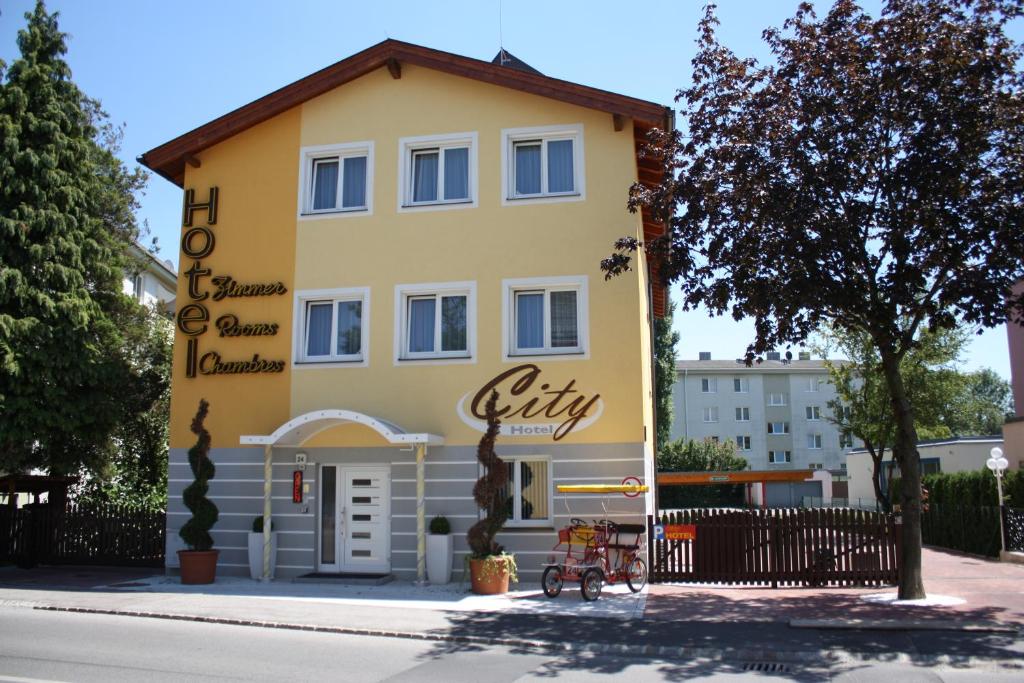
point(438, 206)
point(435, 360)
point(542, 199)
point(337, 213)
point(333, 363)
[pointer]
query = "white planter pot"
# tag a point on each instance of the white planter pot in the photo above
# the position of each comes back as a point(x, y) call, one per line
point(439, 558)
point(256, 554)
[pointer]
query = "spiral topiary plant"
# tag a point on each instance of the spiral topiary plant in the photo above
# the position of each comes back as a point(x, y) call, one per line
point(196, 531)
point(490, 491)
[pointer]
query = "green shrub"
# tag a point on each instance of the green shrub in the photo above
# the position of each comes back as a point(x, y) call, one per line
point(440, 526)
point(196, 531)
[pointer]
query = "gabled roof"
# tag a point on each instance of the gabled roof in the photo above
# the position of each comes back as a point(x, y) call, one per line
point(169, 159)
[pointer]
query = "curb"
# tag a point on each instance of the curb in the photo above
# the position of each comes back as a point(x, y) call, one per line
point(903, 625)
point(805, 657)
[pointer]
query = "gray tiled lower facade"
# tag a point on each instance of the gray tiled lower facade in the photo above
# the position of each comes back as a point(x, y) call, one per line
point(237, 490)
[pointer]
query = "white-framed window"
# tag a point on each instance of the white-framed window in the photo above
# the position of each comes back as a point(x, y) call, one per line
point(530, 491)
point(545, 317)
point(743, 414)
point(435, 321)
point(779, 457)
point(815, 465)
point(743, 443)
point(138, 284)
point(714, 439)
point(814, 442)
point(813, 413)
point(741, 385)
point(437, 171)
point(332, 326)
point(778, 428)
point(542, 164)
point(813, 384)
point(846, 440)
point(776, 399)
point(336, 179)
point(711, 414)
point(709, 385)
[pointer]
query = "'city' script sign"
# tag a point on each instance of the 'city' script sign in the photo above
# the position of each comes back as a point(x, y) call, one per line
point(529, 406)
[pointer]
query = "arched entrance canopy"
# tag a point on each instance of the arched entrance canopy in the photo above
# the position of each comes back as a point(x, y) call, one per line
point(298, 430)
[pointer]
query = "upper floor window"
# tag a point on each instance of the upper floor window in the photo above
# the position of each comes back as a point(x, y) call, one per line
point(437, 171)
point(546, 316)
point(543, 163)
point(814, 441)
point(743, 443)
point(336, 178)
point(778, 428)
point(813, 383)
point(776, 399)
point(813, 413)
point(709, 385)
point(711, 414)
point(741, 385)
point(779, 457)
point(330, 325)
point(846, 440)
point(743, 414)
point(436, 320)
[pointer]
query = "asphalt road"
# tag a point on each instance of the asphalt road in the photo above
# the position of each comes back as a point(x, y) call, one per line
point(40, 646)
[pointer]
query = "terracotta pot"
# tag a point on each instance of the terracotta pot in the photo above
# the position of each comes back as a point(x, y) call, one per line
point(198, 566)
point(490, 581)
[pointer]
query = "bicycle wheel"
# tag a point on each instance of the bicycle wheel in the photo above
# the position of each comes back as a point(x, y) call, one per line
point(636, 575)
point(551, 581)
point(590, 584)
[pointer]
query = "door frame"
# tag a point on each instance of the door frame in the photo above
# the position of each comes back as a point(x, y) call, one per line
point(339, 497)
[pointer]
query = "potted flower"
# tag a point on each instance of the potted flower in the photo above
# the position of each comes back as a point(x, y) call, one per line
point(490, 567)
point(439, 551)
point(256, 548)
point(199, 562)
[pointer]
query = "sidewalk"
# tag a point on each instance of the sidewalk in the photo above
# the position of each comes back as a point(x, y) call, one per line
point(748, 624)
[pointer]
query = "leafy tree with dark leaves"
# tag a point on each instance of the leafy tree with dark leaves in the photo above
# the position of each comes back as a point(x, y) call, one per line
point(871, 177)
point(66, 219)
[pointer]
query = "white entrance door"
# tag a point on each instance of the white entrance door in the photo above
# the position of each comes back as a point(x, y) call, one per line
point(355, 533)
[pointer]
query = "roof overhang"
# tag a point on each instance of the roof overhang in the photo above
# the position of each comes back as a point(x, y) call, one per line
point(298, 430)
point(169, 159)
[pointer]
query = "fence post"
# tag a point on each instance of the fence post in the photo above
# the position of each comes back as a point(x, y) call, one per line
point(650, 547)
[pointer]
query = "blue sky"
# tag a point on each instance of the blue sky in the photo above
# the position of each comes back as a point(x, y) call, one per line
point(163, 68)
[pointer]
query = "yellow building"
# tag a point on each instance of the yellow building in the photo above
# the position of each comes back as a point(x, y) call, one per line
point(365, 254)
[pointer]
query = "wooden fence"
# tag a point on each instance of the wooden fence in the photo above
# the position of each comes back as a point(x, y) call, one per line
point(93, 535)
point(777, 547)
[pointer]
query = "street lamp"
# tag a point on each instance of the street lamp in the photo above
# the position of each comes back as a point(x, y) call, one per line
point(997, 463)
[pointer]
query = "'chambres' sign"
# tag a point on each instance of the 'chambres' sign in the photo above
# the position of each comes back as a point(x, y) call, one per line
point(193, 318)
point(529, 406)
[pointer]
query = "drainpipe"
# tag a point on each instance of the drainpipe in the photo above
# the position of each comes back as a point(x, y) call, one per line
point(267, 479)
point(421, 522)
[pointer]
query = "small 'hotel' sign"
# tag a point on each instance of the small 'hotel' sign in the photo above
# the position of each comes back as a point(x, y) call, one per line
point(197, 243)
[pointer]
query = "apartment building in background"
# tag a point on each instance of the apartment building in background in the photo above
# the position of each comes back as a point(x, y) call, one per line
point(776, 412)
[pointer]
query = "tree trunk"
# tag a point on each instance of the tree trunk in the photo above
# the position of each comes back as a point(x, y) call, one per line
point(876, 475)
point(905, 452)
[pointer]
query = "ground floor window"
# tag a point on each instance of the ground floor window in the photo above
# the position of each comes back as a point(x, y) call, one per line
point(529, 491)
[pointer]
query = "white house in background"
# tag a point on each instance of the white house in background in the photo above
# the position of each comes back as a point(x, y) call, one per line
point(150, 280)
point(958, 454)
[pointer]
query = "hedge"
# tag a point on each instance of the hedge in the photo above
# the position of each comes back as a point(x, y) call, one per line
point(969, 488)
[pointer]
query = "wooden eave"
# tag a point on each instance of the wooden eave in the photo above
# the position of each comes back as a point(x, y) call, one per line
point(169, 159)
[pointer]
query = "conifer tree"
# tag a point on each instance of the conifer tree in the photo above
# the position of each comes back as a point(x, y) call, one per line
point(66, 217)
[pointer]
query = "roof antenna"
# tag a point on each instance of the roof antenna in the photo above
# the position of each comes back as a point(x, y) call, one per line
point(501, 38)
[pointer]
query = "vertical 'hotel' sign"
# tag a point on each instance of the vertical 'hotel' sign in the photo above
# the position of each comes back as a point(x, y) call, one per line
point(197, 243)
